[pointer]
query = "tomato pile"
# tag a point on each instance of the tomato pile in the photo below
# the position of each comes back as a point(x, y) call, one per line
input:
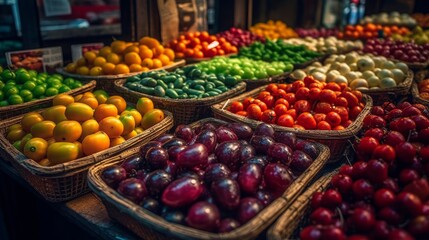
point(384, 195)
point(304, 104)
point(201, 45)
point(424, 89)
point(371, 30)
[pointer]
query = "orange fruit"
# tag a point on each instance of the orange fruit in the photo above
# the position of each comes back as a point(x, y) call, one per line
point(118, 46)
point(169, 53)
point(112, 126)
point(147, 62)
point(151, 118)
point(164, 59)
point(105, 110)
point(99, 61)
point(71, 67)
point(132, 48)
point(24, 140)
point(88, 94)
point(67, 131)
point(145, 52)
point(119, 102)
point(144, 105)
point(89, 127)
point(101, 96)
point(62, 99)
point(78, 97)
point(36, 149)
point(14, 126)
point(90, 56)
point(79, 112)
point(55, 113)
point(128, 122)
point(121, 69)
point(43, 129)
point(16, 134)
point(44, 162)
point(95, 142)
point(116, 141)
point(136, 115)
point(79, 148)
point(133, 133)
point(108, 68)
point(80, 62)
point(156, 63)
point(83, 70)
point(132, 58)
point(145, 69)
point(158, 50)
point(114, 58)
point(96, 71)
point(138, 130)
point(136, 68)
point(90, 101)
point(29, 119)
point(105, 51)
point(62, 152)
point(149, 41)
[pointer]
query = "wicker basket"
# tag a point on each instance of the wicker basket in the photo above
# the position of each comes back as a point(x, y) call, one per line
point(150, 226)
point(65, 181)
point(184, 110)
point(106, 82)
point(295, 217)
point(18, 109)
point(394, 94)
point(336, 140)
point(420, 76)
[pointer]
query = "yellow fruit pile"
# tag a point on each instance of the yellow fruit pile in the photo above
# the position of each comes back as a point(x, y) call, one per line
point(123, 57)
point(79, 126)
point(273, 30)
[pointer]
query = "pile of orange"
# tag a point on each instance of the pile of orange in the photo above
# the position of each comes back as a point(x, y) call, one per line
point(424, 89)
point(371, 30)
point(200, 45)
point(273, 30)
point(123, 57)
point(79, 126)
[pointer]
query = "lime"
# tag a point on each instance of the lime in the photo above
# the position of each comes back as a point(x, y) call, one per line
point(41, 78)
point(32, 73)
point(38, 91)
point(20, 70)
point(1, 85)
point(45, 85)
point(64, 89)
point(29, 85)
point(4, 103)
point(76, 85)
point(68, 81)
point(1, 96)
point(11, 82)
point(51, 91)
point(8, 74)
point(15, 99)
point(43, 74)
point(19, 86)
point(57, 76)
point(10, 90)
point(26, 95)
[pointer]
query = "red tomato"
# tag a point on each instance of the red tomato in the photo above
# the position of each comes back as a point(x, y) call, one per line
point(351, 99)
point(285, 120)
point(323, 107)
point(269, 101)
point(347, 123)
point(282, 101)
point(354, 112)
point(343, 86)
point(297, 85)
point(282, 86)
point(297, 126)
point(316, 85)
point(254, 111)
point(338, 128)
point(272, 88)
point(263, 94)
point(319, 117)
point(268, 116)
point(333, 118)
point(358, 94)
point(261, 104)
point(236, 107)
point(333, 86)
point(314, 93)
point(220, 52)
point(302, 106)
point(281, 93)
point(290, 97)
point(292, 112)
point(343, 112)
point(289, 88)
point(327, 95)
point(242, 113)
point(247, 101)
point(341, 101)
point(306, 120)
point(309, 80)
point(280, 109)
point(302, 93)
point(324, 125)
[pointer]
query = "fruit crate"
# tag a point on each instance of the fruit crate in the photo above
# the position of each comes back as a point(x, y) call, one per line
point(14, 110)
point(184, 110)
point(336, 140)
point(106, 82)
point(151, 226)
point(420, 76)
point(393, 94)
point(68, 180)
point(296, 216)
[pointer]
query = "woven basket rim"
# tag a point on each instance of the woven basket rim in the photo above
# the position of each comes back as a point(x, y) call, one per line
point(175, 64)
point(350, 131)
point(419, 76)
point(403, 86)
point(119, 86)
point(79, 164)
point(88, 85)
point(255, 225)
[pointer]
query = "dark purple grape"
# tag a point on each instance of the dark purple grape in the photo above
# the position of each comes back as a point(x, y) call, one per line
point(248, 208)
point(174, 216)
point(184, 132)
point(224, 134)
point(216, 171)
point(157, 181)
point(212, 159)
point(264, 197)
point(287, 138)
point(134, 189)
point(280, 152)
point(174, 151)
point(188, 173)
point(228, 224)
point(204, 216)
point(260, 160)
point(309, 148)
point(228, 153)
point(193, 155)
point(164, 137)
point(157, 158)
point(246, 151)
point(264, 129)
point(243, 131)
point(277, 178)
point(151, 205)
point(261, 143)
point(173, 142)
point(171, 168)
point(113, 175)
point(208, 138)
point(132, 164)
point(250, 177)
point(226, 193)
point(182, 192)
point(147, 146)
point(300, 162)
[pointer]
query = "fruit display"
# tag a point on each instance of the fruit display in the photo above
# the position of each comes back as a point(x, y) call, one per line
point(423, 87)
point(371, 30)
point(361, 72)
point(329, 45)
point(201, 45)
point(186, 83)
point(239, 37)
point(123, 57)
point(273, 30)
point(422, 20)
point(393, 18)
point(306, 104)
point(214, 177)
point(407, 52)
point(385, 193)
point(244, 68)
point(316, 32)
point(22, 86)
point(32, 60)
point(80, 126)
point(278, 51)
point(417, 35)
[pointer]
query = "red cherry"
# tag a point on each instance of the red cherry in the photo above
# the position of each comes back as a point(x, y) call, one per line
point(367, 145)
point(390, 215)
point(393, 138)
point(390, 184)
point(399, 234)
point(333, 233)
point(346, 170)
point(384, 152)
point(359, 170)
point(377, 110)
point(321, 216)
point(342, 182)
point(381, 230)
point(377, 171)
point(363, 220)
point(331, 199)
point(407, 176)
point(384, 198)
point(376, 133)
point(405, 152)
point(310, 233)
point(409, 203)
point(316, 200)
point(362, 189)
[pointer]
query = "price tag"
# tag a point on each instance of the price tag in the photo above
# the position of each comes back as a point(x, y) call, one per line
point(56, 7)
point(41, 59)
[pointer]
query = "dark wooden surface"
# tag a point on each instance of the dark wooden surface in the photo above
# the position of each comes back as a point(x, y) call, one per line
point(24, 213)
